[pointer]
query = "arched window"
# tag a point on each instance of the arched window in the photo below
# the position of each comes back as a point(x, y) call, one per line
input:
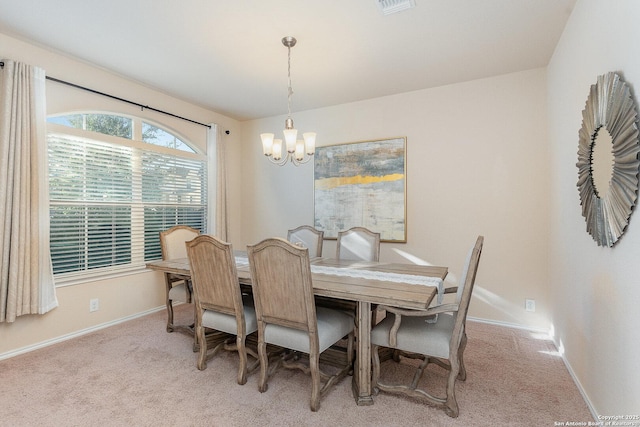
point(114, 183)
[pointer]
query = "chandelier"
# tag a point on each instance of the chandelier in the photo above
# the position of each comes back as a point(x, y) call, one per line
point(298, 151)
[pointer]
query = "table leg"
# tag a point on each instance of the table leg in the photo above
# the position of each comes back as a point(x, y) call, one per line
point(362, 370)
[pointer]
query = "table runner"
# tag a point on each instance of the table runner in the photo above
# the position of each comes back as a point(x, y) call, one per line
point(388, 277)
point(369, 274)
point(382, 275)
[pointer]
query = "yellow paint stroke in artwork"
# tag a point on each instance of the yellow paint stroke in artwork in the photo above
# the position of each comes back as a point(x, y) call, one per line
point(329, 183)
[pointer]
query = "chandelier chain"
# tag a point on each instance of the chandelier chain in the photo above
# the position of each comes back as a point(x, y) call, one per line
point(290, 90)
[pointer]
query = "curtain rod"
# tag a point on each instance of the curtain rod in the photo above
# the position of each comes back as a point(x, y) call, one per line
point(121, 99)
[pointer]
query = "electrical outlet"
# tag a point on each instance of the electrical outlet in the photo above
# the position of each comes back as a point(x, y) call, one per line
point(94, 304)
point(530, 305)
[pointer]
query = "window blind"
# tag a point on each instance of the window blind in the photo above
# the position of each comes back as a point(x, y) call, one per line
point(108, 202)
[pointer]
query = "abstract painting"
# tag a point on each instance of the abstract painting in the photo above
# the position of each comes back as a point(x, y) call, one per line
point(361, 184)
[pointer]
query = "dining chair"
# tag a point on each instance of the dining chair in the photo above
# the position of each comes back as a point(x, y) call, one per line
point(307, 236)
point(288, 317)
point(172, 246)
point(219, 302)
point(416, 336)
point(358, 243)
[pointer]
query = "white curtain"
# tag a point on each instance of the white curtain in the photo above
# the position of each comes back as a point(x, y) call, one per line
point(26, 275)
point(217, 196)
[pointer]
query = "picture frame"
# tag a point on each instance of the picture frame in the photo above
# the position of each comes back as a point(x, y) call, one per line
point(362, 184)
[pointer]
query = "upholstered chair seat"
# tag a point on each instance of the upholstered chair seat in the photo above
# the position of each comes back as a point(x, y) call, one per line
point(332, 326)
point(227, 323)
point(417, 334)
point(180, 292)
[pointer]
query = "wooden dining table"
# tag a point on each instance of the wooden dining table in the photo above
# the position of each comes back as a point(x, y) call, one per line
point(363, 291)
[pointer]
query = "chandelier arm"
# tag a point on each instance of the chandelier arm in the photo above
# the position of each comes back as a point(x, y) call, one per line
point(301, 162)
point(282, 162)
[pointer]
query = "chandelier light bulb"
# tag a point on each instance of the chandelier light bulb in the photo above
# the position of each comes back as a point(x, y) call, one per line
point(267, 143)
point(277, 149)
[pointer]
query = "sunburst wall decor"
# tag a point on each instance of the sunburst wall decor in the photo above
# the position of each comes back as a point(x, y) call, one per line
point(610, 106)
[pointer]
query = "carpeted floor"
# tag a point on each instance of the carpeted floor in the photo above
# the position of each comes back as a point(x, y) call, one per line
point(136, 374)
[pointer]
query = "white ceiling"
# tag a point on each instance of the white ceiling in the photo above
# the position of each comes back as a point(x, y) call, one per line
point(227, 55)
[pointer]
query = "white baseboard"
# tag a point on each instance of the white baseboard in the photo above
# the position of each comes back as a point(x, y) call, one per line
point(76, 334)
point(594, 413)
point(508, 325)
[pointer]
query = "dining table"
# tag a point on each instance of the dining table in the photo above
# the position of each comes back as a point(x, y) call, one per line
point(409, 286)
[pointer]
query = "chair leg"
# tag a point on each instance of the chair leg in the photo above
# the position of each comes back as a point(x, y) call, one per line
point(462, 376)
point(202, 355)
point(264, 364)
point(315, 381)
point(374, 310)
point(189, 287)
point(350, 350)
point(419, 372)
point(375, 365)
point(169, 315)
point(196, 340)
point(451, 405)
point(242, 352)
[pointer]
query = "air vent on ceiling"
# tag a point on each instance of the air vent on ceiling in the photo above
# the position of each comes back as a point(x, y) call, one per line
point(387, 7)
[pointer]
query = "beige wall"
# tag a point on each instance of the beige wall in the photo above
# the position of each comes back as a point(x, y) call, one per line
point(477, 163)
point(595, 290)
point(492, 157)
point(124, 296)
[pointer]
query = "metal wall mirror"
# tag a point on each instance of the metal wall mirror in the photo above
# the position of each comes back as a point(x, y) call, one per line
point(608, 159)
